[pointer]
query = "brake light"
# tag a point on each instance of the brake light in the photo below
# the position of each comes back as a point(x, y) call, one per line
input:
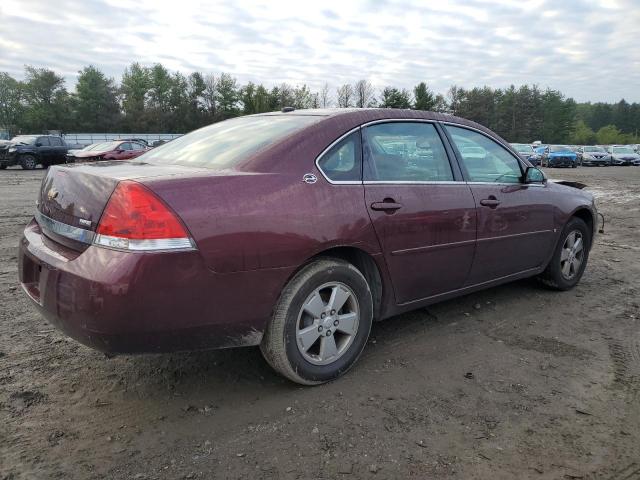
point(136, 219)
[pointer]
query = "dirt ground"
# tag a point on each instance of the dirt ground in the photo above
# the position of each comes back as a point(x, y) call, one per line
point(513, 382)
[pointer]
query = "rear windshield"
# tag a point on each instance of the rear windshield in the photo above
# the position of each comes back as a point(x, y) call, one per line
point(103, 147)
point(522, 148)
point(24, 140)
point(225, 144)
point(623, 150)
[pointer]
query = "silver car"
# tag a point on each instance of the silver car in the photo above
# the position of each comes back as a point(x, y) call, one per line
point(591, 155)
point(623, 155)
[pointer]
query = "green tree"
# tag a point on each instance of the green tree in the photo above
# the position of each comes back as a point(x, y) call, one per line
point(11, 109)
point(96, 102)
point(134, 90)
point(583, 135)
point(227, 96)
point(608, 134)
point(394, 98)
point(46, 101)
point(424, 99)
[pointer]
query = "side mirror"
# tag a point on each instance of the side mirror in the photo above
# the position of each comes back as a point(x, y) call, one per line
point(534, 175)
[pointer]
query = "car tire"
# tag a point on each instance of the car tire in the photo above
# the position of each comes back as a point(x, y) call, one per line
point(28, 162)
point(306, 340)
point(2, 167)
point(567, 265)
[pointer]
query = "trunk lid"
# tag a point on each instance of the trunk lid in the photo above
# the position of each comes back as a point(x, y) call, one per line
point(72, 198)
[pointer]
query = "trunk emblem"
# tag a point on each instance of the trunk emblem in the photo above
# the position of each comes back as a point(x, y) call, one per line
point(309, 178)
point(52, 193)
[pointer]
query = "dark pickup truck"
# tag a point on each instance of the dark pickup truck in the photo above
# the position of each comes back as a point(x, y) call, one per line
point(28, 151)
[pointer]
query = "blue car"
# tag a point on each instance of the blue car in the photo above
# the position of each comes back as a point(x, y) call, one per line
point(559, 156)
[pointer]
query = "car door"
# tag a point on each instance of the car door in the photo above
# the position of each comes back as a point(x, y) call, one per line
point(123, 152)
point(137, 149)
point(43, 147)
point(58, 150)
point(515, 220)
point(421, 210)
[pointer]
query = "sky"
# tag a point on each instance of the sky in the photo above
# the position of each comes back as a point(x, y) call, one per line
point(589, 50)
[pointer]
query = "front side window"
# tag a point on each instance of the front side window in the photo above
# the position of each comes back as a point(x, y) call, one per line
point(484, 159)
point(55, 141)
point(405, 152)
point(344, 161)
point(125, 146)
point(43, 141)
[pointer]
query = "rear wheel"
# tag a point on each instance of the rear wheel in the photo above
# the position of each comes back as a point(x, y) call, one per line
point(320, 324)
point(570, 257)
point(28, 162)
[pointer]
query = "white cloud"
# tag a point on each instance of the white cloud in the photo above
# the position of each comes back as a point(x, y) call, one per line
point(586, 49)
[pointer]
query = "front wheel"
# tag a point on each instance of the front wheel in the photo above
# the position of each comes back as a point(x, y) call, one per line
point(321, 323)
point(570, 257)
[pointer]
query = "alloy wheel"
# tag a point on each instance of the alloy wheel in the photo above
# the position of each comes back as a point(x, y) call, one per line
point(327, 323)
point(572, 255)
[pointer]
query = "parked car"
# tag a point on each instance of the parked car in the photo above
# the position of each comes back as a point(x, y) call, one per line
point(559, 156)
point(115, 150)
point(594, 156)
point(527, 152)
point(293, 231)
point(623, 155)
point(29, 151)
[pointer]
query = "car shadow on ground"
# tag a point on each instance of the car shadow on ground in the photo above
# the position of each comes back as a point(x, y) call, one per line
point(245, 368)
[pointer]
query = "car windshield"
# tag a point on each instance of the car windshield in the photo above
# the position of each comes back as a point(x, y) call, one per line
point(623, 150)
point(224, 144)
point(522, 148)
point(594, 149)
point(102, 147)
point(24, 139)
point(559, 148)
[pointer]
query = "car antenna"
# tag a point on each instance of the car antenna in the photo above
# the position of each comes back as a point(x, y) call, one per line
point(287, 109)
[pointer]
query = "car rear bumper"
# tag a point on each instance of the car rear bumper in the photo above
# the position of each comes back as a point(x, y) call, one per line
point(122, 302)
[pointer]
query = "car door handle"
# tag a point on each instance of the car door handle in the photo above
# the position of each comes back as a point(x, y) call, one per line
point(491, 202)
point(387, 205)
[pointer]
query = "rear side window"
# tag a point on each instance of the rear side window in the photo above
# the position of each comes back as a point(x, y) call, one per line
point(405, 152)
point(225, 144)
point(344, 161)
point(484, 159)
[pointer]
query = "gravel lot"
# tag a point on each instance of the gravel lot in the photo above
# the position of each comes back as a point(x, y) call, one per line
point(513, 382)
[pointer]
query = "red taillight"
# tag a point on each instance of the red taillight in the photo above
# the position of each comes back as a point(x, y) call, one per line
point(135, 219)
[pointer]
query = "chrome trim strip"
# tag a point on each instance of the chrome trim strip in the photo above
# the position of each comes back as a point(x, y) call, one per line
point(406, 120)
point(74, 233)
point(433, 247)
point(331, 145)
point(130, 245)
point(412, 182)
point(513, 235)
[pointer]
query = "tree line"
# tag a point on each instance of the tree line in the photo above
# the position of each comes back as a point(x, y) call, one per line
point(153, 99)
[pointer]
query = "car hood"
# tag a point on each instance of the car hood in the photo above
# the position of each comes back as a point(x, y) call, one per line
point(634, 156)
point(562, 154)
point(90, 153)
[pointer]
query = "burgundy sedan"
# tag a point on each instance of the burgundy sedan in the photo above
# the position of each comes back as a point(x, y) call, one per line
point(113, 150)
point(294, 231)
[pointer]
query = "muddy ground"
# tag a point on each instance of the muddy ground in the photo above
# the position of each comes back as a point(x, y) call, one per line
point(513, 382)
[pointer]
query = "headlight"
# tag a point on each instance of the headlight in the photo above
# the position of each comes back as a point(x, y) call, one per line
point(12, 149)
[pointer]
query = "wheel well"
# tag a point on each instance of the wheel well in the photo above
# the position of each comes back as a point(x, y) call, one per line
point(366, 265)
point(586, 216)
